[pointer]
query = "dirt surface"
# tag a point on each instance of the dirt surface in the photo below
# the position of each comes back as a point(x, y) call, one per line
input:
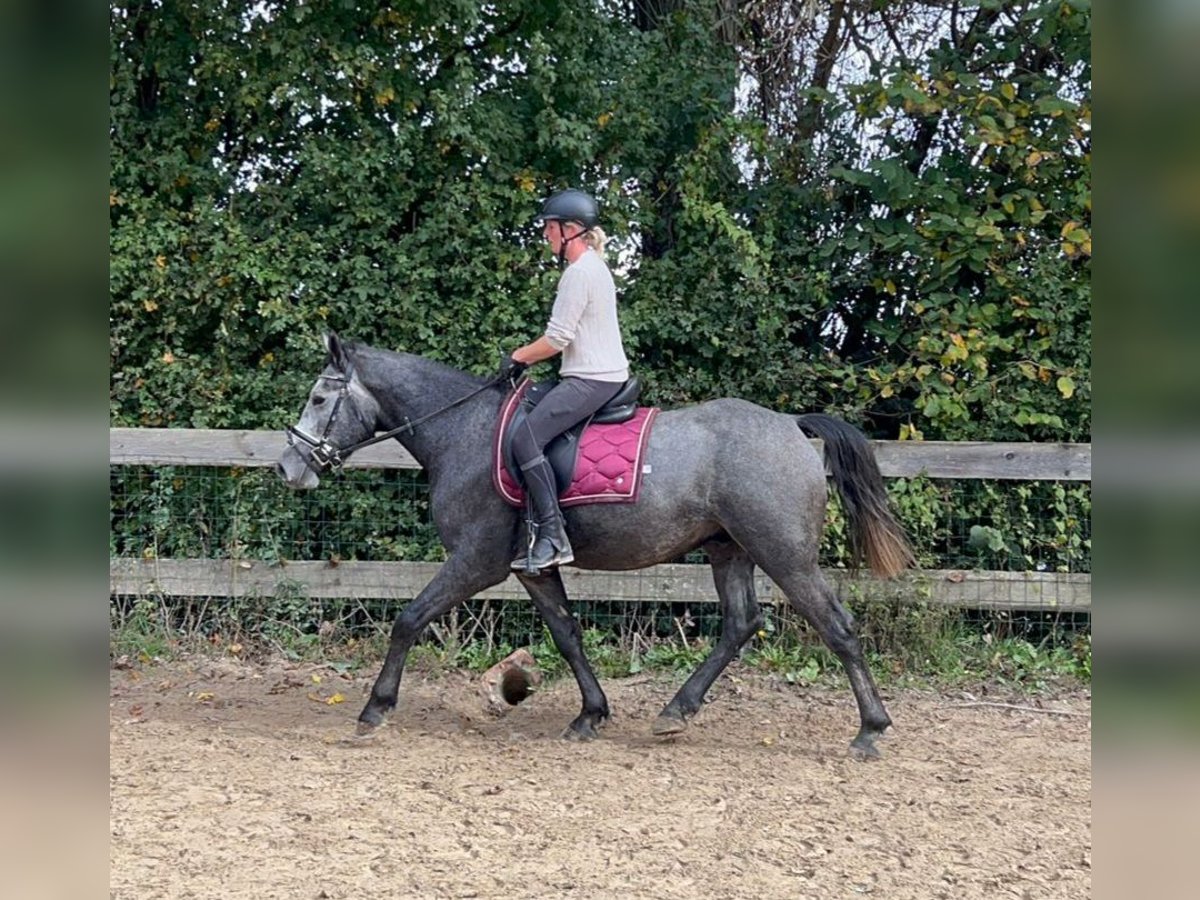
point(232, 780)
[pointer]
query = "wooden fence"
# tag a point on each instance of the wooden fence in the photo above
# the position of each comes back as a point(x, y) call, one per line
point(400, 580)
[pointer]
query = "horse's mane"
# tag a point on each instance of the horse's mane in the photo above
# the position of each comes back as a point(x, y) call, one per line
point(427, 368)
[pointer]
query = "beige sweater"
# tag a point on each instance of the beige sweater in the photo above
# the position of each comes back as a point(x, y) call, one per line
point(583, 323)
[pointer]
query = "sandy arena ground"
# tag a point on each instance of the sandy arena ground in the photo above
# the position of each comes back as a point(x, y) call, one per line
point(236, 780)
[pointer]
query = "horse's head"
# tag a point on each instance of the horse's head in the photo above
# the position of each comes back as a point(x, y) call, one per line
point(340, 413)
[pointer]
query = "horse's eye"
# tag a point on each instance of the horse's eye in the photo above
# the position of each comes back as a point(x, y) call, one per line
point(317, 401)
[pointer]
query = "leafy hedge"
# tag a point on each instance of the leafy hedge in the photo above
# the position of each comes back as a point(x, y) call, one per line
point(920, 264)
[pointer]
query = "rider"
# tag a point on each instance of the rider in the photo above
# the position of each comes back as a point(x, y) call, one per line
point(583, 327)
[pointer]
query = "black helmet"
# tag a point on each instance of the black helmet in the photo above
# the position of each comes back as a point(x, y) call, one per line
point(570, 206)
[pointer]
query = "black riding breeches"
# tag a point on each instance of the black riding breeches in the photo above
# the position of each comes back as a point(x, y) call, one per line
point(569, 402)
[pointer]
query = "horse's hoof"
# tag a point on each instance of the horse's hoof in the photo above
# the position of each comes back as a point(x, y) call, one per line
point(357, 738)
point(864, 749)
point(366, 729)
point(580, 733)
point(665, 726)
point(369, 722)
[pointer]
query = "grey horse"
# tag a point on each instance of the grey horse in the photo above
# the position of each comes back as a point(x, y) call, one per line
point(740, 481)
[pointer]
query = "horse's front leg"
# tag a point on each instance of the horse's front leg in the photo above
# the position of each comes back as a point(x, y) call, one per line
point(550, 598)
point(459, 579)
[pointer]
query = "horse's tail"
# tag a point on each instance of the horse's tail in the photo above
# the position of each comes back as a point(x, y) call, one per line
point(875, 535)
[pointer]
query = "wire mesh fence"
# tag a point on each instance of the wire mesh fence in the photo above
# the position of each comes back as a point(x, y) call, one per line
point(1002, 531)
point(202, 512)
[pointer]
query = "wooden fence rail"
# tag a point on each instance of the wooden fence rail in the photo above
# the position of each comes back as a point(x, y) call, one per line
point(671, 583)
point(897, 459)
point(691, 583)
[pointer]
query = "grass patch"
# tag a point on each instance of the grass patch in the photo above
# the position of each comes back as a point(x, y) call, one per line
point(919, 644)
point(907, 643)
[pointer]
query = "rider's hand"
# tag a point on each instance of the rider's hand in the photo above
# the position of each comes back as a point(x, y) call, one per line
point(510, 368)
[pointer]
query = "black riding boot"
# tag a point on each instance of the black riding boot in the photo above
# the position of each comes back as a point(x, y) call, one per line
point(550, 544)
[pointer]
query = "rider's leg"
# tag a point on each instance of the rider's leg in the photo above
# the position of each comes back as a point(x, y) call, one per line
point(571, 401)
point(550, 546)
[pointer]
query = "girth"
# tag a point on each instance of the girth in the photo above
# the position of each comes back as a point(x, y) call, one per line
point(563, 451)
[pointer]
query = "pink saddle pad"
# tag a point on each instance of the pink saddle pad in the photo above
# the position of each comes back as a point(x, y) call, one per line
point(608, 468)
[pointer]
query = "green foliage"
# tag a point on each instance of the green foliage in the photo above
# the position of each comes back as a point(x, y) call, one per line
point(141, 629)
point(970, 254)
point(977, 524)
point(674, 656)
point(171, 512)
point(292, 167)
point(911, 642)
point(922, 266)
point(800, 664)
point(1082, 654)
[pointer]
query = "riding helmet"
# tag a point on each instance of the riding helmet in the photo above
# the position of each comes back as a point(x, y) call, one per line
point(570, 206)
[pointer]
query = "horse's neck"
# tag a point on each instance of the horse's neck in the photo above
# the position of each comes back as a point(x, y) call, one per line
point(408, 388)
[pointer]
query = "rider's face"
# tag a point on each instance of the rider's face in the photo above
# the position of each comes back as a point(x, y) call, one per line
point(556, 234)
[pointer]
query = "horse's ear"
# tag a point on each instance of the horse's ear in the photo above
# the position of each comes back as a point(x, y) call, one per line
point(337, 352)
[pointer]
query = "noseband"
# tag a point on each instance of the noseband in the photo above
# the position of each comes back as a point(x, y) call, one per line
point(323, 455)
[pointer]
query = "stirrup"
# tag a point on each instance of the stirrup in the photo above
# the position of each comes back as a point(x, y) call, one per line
point(552, 547)
point(549, 535)
point(521, 563)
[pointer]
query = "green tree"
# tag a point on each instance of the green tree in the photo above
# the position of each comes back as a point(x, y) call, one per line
point(290, 166)
point(880, 210)
point(963, 257)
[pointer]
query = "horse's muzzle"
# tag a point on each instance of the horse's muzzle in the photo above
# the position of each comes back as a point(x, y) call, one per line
point(295, 471)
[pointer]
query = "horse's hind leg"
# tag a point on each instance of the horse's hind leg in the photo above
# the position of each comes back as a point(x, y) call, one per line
point(811, 596)
point(550, 598)
point(733, 573)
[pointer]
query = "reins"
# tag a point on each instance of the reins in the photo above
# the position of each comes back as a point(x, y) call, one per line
point(409, 426)
point(329, 457)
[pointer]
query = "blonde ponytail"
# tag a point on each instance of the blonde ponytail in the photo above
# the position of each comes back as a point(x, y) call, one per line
point(596, 239)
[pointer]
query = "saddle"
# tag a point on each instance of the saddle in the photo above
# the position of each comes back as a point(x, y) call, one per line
point(616, 439)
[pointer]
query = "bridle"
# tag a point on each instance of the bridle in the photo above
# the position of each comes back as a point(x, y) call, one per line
point(324, 455)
